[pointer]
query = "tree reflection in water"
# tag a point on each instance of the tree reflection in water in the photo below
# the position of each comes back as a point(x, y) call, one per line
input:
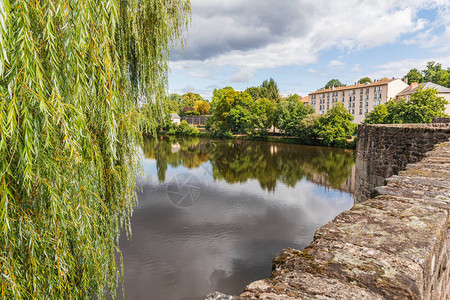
point(238, 161)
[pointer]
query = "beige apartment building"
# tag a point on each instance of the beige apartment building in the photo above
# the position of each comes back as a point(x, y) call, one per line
point(359, 99)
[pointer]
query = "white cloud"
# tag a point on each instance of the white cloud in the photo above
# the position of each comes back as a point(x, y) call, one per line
point(400, 68)
point(243, 76)
point(205, 93)
point(437, 34)
point(336, 63)
point(251, 35)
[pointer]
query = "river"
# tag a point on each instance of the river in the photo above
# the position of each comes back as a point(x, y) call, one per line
point(212, 214)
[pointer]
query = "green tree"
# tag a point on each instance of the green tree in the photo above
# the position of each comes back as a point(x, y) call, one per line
point(190, 98)
point(175, 97)
point(263, 115)
point(414, 75)
point(222, 102)
point(307, 129)
point(202, 107)
point(421, 108)
point(254, 92)
point(335, 125)
point(269, 90)
point(174, 104)
point(379, 115)
point(290, 113)
point(72, 74)
point(364, 80)
point(333, 83)
point(239, 119)
point(243, 99)
point(434, 73)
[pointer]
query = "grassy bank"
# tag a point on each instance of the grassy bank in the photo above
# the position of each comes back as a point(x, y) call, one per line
point(271, 137)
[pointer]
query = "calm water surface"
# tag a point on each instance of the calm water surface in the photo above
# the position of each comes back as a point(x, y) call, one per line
point(213, 214)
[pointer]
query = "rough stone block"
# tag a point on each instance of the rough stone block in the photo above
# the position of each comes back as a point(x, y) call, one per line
point(388, 275)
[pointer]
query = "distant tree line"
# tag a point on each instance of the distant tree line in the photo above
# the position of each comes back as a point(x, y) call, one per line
point(258, 109)
point(433, 73)
point(189, 104)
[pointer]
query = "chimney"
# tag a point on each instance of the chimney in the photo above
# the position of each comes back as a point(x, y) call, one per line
point(405, 80)
point(414, 85)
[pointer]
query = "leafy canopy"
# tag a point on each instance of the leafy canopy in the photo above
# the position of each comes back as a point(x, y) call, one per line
point(72, 75)
point(364, 80)
point(422, 107)
point(333, 83)
point(433, 73)
point(190, 98)
point(290, 113)
point(269, 90)
point(335, 125)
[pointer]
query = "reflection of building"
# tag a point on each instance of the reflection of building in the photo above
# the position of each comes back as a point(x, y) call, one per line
point(273, 149)
point(359, 99)
point(175, 118)
point(175, 147)
point(347, 186)
point(442, 92)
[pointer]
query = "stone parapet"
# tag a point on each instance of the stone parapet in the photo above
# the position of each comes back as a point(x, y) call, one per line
point(384, 150)
point(393, 246)
point(440, 120)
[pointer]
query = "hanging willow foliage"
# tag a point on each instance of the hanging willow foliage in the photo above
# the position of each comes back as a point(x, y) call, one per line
point(72, 74)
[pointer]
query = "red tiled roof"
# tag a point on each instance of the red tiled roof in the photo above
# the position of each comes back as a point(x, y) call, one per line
point(355, 86)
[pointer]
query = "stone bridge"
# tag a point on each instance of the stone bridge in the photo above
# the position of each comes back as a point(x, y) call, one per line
point(392, 246)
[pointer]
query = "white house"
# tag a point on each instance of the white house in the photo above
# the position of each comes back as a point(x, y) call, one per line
point(175, 118)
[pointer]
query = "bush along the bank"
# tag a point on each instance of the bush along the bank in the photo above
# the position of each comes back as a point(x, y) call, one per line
point(183, 129)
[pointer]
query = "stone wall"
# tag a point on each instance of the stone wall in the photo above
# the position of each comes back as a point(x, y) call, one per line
point(393, 246)
point(440, 120)
point(195, 120)
point(384, 150)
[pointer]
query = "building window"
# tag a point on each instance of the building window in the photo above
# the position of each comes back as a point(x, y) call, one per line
point(360, 111)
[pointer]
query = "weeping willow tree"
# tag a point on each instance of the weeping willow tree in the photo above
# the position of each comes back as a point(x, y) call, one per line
point(72, 75)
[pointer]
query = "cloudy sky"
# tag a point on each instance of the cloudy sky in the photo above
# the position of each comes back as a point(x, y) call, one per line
point(304, 43)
